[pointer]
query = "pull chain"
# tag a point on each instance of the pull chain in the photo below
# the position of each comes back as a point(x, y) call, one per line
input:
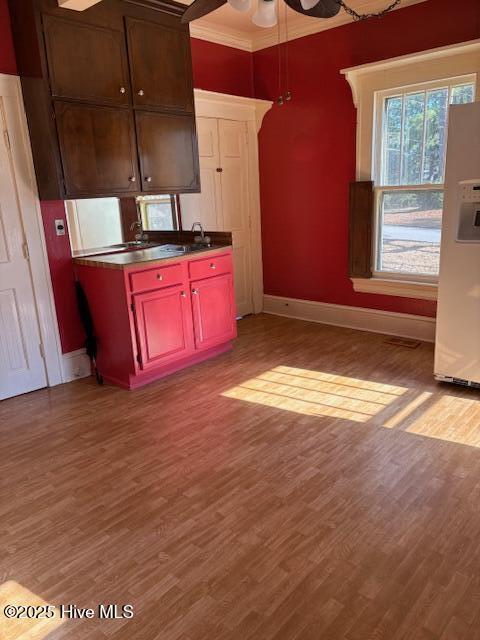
point(288, 94)
point(279, 51)
point(283, 96)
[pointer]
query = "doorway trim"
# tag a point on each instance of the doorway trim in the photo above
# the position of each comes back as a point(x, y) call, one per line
point(21, 154)
point(209, 104)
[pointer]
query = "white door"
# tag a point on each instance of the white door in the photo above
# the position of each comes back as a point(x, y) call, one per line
point(235, 210)
point(223, 204)
point(22, 367)
point(205, 207)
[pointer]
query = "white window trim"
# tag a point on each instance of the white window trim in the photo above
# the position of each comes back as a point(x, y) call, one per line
point(366, 82)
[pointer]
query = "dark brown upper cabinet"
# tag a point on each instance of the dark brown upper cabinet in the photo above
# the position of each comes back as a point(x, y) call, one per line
point(109, 97)
point(167, 143)
point(86, 62)
point(160, 66)
point(97, 146)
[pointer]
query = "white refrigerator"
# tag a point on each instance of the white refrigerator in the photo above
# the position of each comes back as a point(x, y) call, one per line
point(457, 352)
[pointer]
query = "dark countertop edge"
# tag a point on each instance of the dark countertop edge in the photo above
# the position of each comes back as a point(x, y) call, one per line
point(94, 260)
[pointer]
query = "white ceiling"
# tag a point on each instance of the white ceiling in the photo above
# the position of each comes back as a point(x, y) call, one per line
point(235, 29)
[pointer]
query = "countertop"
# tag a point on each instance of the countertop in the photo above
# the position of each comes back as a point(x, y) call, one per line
point(149, 257)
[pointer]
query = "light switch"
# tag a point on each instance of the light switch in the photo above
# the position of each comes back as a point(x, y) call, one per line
point(60, 227)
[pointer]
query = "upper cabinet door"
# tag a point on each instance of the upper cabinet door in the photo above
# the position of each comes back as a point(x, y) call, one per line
point(86, 62)
point(167, 146)
point(160, 66)
point(97, 147)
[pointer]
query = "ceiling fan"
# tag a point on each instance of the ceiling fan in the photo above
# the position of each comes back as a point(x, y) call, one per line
point(266, 13)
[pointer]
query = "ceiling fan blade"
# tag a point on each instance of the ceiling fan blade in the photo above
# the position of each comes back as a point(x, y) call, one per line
point(200, 8)
point(323, 9)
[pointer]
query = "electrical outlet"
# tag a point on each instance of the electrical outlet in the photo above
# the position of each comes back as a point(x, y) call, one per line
point(60, 227)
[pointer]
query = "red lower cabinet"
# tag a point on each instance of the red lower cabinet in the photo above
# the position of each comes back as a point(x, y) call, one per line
point(154, 318)
point(163, 327)
point(213, 309)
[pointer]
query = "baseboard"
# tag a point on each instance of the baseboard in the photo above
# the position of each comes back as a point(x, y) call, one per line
point(75, 364)
point(396, 324)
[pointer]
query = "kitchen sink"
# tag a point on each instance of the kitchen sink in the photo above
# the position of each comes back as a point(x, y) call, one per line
point(133, 244)
point(185, 248)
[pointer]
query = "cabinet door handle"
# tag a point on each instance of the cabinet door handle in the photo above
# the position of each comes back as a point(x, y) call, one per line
point(159, 276)
point(195, 292)
point(122, 90)
point(219, 169)
point(132, 178)
point(213, 265)
point(148, 179)
point(141, 92)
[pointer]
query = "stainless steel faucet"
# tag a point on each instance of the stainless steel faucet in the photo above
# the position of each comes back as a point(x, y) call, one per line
point(140, 236)
point(202, 238)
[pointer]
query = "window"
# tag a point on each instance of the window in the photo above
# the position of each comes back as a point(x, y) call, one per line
point(159, 213)
point(409, 171)
point(94, 223)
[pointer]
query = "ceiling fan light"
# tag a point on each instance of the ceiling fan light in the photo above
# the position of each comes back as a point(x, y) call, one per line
point(309, 4)
point(266, 14)
point(240, 5)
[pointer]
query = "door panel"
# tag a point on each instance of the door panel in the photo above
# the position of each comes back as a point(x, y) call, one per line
point(163, 331)
point(13, 356)
point(205, 207)
point(213, 311)
point(168, 152)
point(235, 207)
point(98, 149)
point(21, 365)
point(86, 62)
point(160, 66)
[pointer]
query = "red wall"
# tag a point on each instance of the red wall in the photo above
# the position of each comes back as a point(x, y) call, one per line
point(61, 272)
point(307, 147)
point(222, 69)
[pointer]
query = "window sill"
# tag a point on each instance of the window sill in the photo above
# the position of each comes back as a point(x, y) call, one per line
point(400, 288)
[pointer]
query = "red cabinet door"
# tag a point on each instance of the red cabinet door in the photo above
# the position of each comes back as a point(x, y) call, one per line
point(163, 323)
point(213, 311)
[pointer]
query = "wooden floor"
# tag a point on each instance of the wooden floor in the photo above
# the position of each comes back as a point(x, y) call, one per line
point(316, 483)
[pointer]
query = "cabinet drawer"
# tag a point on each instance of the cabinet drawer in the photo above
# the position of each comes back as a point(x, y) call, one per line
point(156, 278)
point(212, 266)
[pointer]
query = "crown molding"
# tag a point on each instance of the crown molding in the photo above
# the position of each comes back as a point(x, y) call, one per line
point(298, 27)
point(203, 30)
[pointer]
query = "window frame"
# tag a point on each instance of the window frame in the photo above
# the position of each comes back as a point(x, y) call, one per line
point(420, 68)
point(377, 162)
point(143, 203)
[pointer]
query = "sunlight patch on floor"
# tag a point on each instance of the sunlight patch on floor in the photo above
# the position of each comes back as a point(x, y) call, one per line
point(452, 419)
point(317, 393)
point(12, 593)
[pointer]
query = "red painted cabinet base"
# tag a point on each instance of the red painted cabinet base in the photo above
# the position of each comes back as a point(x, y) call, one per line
point(153, 320)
